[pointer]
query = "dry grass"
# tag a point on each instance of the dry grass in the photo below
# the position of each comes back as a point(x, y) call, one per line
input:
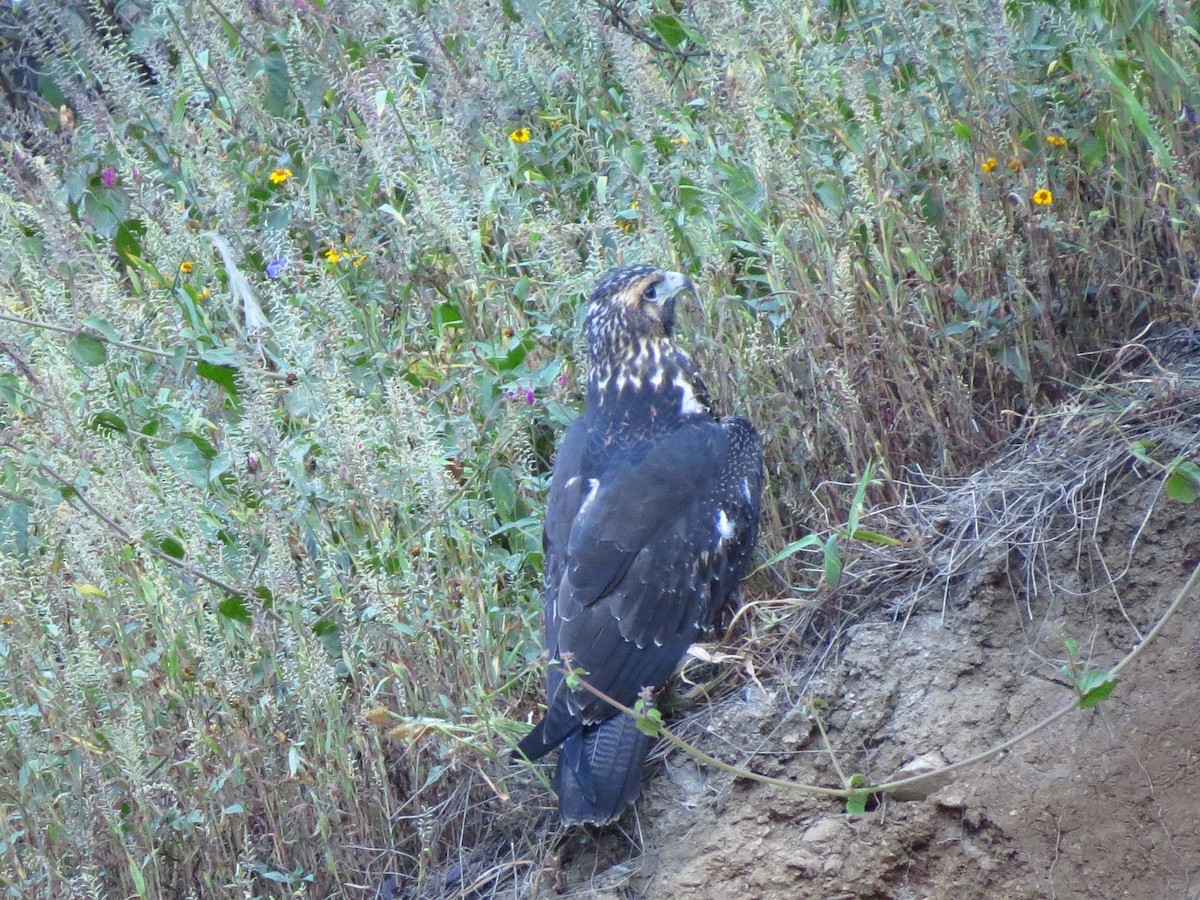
point(1047, 487)
point(269, 593)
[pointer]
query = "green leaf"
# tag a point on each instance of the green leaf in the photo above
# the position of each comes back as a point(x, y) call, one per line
point(188, 461)
point(521, 288)
point(1016, 362)
point(860, 496)
point(330, 636)
point(574, 676)
point(833, 562)
point(14, 529)
point(101, 327)
point(856, 803)
point(1190, 469)
point(222, 356)
point(225, 376)
point(277, 101)
point(651, 722)
point(1138, 114)
point(871, 537)
point(514, 357)
point(235, 609)
point(135, 874)
point(171, 547)
point(127, 241)
point(1093, 686)
point(1091, 152)
point(1141, 452)
point(916, 263)
point(219, 465)
point(87, 350)
point(1180, 487)
point(673, 31)
point(504, 493)
point(793, 548)
point(108, 421)
point(445, 315)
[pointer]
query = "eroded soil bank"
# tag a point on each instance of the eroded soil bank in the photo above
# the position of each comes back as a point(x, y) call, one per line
point(1101, 804)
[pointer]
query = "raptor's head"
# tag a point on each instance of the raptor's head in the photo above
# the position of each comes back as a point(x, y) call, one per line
point(637, 377)
point(631, 306)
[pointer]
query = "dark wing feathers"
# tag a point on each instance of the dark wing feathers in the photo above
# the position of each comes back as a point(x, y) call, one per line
point(625, 508)
point(647, 533)
point(741, 491)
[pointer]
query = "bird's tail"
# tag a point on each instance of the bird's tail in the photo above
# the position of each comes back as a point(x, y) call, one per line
point(600, 771)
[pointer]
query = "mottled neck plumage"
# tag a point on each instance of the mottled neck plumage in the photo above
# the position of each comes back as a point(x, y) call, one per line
point(648, 382)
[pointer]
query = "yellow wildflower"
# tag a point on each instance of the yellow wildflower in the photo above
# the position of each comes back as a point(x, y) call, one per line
point(989, 164)
point(279, 176)
point(186, 267)
point(1015, 165)
point(331, 255)
point(1043, 197)
point(519, 136)
point(1055, 140)
point(358, 260)
point(204, 294)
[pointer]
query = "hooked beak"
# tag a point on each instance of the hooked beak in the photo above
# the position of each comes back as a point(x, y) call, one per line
point(675, 282)
point(672, 285)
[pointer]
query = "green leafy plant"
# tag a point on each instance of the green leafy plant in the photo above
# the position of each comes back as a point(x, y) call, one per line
point(1181, 476)
point(828, 546)
point(1092, 685)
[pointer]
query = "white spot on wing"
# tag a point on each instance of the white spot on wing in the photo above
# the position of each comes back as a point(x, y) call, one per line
point(724, 527)
point(593, 487)
point(689, 405)
point(746, 490)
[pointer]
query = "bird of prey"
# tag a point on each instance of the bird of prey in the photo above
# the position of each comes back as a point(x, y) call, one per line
point(652, 518)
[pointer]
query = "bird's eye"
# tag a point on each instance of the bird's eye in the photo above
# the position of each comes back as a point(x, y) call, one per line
point(650, 293)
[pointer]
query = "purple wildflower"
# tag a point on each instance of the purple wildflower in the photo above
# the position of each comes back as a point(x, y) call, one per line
point(108, 177)
point(522, 393)
point(275, 267)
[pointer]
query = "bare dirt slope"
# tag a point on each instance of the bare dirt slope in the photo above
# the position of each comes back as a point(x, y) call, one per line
point(1101, 804)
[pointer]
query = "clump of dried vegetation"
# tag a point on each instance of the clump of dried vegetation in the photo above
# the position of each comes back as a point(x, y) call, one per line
point(289, 316)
